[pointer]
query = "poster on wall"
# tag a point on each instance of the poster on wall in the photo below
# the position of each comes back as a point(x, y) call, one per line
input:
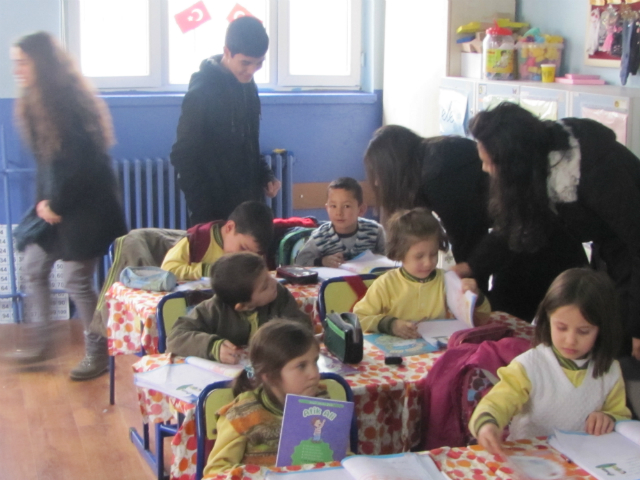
point(603, 39)
point(453, 112)
point(616, 121)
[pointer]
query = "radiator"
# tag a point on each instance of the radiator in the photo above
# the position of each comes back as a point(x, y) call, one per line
point(152, 198)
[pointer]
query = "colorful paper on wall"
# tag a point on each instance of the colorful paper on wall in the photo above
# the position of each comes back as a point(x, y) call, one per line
point(616, 121)
point(543, 109)
point(453, 112)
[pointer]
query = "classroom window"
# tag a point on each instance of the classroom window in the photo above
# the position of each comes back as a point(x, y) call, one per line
point(158, 44)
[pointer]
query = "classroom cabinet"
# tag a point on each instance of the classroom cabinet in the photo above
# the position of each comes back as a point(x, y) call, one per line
point(617, 107)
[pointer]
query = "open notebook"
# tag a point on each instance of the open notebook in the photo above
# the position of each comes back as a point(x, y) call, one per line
point(186, 380)
point(435, 333)
point(405, 466)
point(614, 456)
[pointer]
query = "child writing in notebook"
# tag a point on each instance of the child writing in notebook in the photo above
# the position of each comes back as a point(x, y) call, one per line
point(399, 299)
point(570, 380)
point(284, 359)
point(246, 297)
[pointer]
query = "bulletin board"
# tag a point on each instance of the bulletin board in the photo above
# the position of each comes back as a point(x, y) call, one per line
point(603, 39)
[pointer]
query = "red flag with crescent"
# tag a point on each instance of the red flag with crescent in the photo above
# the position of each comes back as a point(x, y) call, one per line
point(192, 17)
point(237, 12)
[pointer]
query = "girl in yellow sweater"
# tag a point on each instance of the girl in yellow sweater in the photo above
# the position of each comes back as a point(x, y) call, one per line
point(399, 299)
point(570, 380)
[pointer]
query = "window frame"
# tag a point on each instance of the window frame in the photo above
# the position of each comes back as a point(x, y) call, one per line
point(279, 79)
point(285, 79)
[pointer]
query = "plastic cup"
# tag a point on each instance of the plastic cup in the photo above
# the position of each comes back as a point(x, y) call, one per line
point(548, 71)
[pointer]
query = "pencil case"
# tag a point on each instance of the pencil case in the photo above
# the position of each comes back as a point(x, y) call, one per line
point(343, 336)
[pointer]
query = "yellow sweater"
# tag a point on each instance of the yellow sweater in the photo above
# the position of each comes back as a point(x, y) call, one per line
point(177, 259)
point(510, 394)
point(396, 294)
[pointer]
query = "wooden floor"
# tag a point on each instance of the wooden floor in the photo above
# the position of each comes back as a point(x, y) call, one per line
point(53, 428)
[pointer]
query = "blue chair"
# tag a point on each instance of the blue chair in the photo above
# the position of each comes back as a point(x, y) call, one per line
point(337, 295)
point(170, 308)
point(219, 394)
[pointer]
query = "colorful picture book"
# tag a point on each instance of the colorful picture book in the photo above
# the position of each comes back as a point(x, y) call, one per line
point(404, 466)
point(614, 456)
point(537, 465)
point(314, 430)
point(401, 347)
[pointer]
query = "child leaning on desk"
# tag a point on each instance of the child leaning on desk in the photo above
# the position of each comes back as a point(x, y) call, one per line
point(284, 359)
point(570, 380)
point(399, 299)
point(249, 229)
point(246, 297)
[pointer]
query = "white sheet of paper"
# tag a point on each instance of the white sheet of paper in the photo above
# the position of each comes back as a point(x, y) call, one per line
point(337, 473)
point(437, 332)
point(459, 303)
point(408, 466)
point(609, 456)
point(326, 273)
point(181, 381)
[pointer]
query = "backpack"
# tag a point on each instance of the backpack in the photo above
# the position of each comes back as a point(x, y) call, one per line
point(456, 383)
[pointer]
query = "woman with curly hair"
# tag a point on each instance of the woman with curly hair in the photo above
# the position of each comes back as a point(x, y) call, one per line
point(573, 173)
point(445, 175)
point(69, 131)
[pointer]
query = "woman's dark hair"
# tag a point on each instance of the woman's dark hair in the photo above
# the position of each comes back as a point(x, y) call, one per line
point(393, 164)
point(275, 344)
point(234, 276)
point(518, 144)
point(60, 102)
point(247, 35)
point(407, 227)
point(594, 295)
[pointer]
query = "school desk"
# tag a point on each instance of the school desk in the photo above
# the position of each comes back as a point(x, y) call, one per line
point(464, 463)
point(132, 325)
point(388, 402)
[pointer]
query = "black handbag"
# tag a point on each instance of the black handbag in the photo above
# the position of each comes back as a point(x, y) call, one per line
point(33, 229)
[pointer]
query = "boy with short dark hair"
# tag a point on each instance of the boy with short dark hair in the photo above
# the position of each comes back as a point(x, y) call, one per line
point(246, 297)
point(217, 153)
point(347, 234)
point(249, 228)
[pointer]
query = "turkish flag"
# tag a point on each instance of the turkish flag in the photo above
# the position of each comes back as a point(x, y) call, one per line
point(192, 17)
point(237, 12)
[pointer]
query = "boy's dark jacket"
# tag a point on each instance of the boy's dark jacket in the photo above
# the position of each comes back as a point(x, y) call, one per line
point(216, 153)
point(194, 334)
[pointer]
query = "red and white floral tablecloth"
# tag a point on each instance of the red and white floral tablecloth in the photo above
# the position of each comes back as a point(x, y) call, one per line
point(388, 402)
point(132, 316)
point(467, 463)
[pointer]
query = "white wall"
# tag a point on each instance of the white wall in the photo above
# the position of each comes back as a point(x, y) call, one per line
point(415, 59)
point(18, 18)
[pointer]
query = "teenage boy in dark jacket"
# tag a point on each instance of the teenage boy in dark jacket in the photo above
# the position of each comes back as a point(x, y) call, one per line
point(246, 297)
point(217, 153)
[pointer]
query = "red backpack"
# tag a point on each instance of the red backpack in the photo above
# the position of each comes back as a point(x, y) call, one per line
point(456, 383)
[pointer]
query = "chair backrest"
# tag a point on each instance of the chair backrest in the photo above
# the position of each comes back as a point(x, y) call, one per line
point(339, 295)
point(291, 244)
point(173, 306)
point(211, 399)
point(219, 394)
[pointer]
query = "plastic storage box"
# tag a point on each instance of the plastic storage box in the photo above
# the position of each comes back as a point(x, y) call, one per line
point(531, 55)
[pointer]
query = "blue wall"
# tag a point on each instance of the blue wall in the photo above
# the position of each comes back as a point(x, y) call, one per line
point(327, 132)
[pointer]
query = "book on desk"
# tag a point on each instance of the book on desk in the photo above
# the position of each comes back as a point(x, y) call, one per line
point(405, 466)
point(614, 456)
